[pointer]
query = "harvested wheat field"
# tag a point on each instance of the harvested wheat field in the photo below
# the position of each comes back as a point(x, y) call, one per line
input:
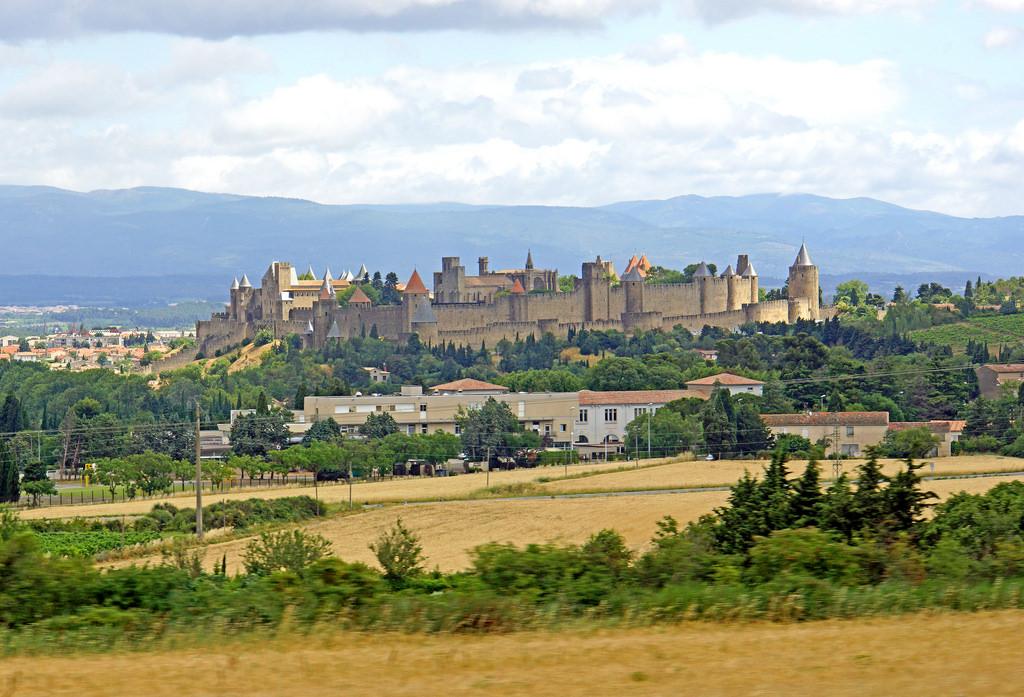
point(699, 473)
point(393, 490)
point(450, 530)
point(970, 655)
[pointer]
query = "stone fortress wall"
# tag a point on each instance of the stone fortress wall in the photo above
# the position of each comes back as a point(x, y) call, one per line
point(507, 304)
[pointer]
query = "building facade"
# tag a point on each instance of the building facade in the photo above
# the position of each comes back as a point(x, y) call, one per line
point(507, 304)
point(850, 433)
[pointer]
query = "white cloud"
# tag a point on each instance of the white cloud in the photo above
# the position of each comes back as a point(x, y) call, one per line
point(1003, 37)
point(578, 131)
point(725, 10)
point(1003, 5)
point(20, 19)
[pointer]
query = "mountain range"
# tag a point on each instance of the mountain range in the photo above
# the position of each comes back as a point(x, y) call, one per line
point(160, 244)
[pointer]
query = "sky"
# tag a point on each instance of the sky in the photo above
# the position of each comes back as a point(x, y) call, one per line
point(562, 102)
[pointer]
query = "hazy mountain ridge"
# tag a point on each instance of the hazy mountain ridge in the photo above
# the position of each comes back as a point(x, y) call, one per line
point(152, 231)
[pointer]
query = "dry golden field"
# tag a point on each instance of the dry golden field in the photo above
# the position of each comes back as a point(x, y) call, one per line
point(395, 490)
point(924, 655)
point(652, 474)
point(699, 473)
point(450, 530)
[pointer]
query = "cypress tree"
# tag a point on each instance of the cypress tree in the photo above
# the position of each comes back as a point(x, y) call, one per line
point(10, 486)
point(262, 407)
point(806, 504)
point(838, 509)
point(869, 499)
point(905, 502)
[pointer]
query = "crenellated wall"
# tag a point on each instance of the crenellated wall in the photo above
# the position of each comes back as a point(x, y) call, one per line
point(598, 302)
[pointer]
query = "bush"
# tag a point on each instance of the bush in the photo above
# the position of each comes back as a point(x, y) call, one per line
point(399, 553)
point(806, 552)
point(288, 550)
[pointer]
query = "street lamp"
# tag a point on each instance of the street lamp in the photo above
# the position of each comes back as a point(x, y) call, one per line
point(823, 404)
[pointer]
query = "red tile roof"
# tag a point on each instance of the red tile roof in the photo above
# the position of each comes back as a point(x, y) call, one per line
point(359, 297)
point(935, 426)
point(468, 385)
point(825, 418)
point(591, 398)
point(517, 288)
point(1007, 368)
point(725, 379)
point(415, 284)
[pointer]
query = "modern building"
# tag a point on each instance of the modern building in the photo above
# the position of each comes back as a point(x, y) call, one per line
point(992, 378)
point(602, 417)
point(856, 430)
point(469, 386)
point(546, 413)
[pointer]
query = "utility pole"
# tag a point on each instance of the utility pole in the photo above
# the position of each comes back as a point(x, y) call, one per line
point(488, 466)
point(650, 418)
point(837, 467)
point(199, 479)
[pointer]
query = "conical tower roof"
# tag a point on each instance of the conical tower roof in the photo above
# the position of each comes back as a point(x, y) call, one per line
point(424, 314)
point(359, 298)
point(749, 272)
point(310, 272)
point(348, 276)
point(702, 271)
point(728, 271)
point(633, 275)
point(645, 264)
point(293, 276)
point(363, 272)
point(802, 257)
point(334, 332)
point(517, 288)
point(326, 290)
point(234, 284)
point(415, 284)
point(309, 327)
point(327, 275)
point(631, 264)
point(529, 259)
point(245, 282)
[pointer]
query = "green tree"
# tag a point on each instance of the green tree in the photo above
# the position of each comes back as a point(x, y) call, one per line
point(323, 429)
point(288, 550)
point(399, 553)
point(670, 433)
point(490, 429)
point(719, 427)
point(378, 425)
point(806, 504)
point(869, 498)
point(905, 501)
point(911, 443)
point(10, 482)
point(839, 511)
point(253, 434)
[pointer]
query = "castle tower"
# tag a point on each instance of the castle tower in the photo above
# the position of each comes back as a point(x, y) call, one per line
point(701, 277)
point(518, 303)
point(529, 260)
point(596, 289)
point(414, 296)
point(803, 286)
point(633, 284)
point(733, 301)
point(750, 275)
point(483, 266)
point(424, 323)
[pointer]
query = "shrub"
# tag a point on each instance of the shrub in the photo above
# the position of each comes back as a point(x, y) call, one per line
point(399, 553)
point(288, 550)
point(806, 552)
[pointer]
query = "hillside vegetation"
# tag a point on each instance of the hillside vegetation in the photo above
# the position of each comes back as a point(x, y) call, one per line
point(997, 330)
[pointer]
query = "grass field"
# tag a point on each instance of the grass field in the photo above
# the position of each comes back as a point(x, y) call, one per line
point(450, 530)
point(924, 655)
point(1002, 329)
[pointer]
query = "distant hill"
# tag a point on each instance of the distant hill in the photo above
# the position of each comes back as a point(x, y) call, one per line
point(204, 239)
